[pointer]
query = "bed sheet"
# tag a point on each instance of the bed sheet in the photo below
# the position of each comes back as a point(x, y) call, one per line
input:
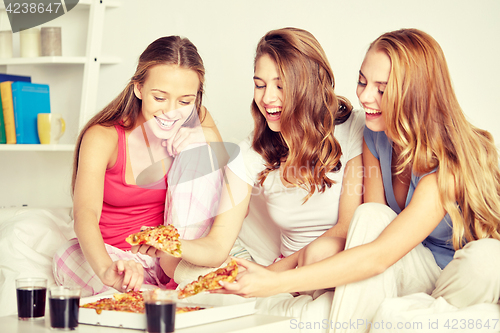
point(29, 237)
point(416, 313)
point(423, 313)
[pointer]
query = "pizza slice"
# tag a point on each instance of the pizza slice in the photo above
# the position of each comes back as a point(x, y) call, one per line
point(162, 237)
point(211, 280)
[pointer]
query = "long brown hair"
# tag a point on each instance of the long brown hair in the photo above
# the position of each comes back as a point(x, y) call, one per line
point(309, 114)
point(424, 119)
point(125, 109)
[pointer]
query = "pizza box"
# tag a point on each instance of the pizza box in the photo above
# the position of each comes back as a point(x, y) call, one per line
point(217, 307)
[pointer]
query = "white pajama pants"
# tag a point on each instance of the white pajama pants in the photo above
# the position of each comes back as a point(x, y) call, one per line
point(473, 276)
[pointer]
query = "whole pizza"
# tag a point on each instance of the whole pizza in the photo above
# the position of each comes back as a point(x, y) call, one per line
point(131, 301)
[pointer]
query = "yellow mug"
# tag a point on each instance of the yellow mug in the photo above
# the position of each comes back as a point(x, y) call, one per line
point(51, 127)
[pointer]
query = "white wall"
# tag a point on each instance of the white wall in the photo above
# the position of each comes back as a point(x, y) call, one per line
point(226, 33)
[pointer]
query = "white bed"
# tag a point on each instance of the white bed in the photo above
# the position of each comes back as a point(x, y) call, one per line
point(29, 237)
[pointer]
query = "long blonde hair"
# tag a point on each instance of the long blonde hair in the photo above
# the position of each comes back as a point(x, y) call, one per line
point(425, 121)
point(310, 111)
point(126, 107)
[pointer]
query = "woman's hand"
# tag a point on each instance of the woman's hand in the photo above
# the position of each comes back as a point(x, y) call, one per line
point(252, 281)
point(124, 275)
point(184, 137)
point(148, 250)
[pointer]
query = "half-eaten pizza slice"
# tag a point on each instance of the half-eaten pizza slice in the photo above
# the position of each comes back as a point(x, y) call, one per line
point(211, 280)
point(162, 237)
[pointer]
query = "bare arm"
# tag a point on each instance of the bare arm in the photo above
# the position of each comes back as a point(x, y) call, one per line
point(209, 128)
point(373, 183)
point(350, 199)
point(98, 145)
point(213, 249)
point(408, 229)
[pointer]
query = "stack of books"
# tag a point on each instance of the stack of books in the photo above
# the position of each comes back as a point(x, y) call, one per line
point(21, 102)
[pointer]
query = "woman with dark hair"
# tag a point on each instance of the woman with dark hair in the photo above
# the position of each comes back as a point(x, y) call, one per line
point(304, 156)
point(431, 221)
point(115, 191)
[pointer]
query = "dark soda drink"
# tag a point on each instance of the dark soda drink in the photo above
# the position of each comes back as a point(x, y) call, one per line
point(31, 302)
point(160, 317)
point(64, 312)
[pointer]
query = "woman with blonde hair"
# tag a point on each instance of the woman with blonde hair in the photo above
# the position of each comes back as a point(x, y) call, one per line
point(431, 220)
point(302, 159)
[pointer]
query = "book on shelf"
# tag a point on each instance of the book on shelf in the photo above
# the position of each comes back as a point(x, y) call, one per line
point(8, 111)
point(3, 139)
point(29, 99)
point(11, 77)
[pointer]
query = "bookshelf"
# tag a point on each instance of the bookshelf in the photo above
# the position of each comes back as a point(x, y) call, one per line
point(55, 61)
point(90, 65)
point(40, 175)
point(21, 147)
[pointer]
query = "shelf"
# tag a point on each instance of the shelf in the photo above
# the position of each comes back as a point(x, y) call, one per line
point(22, 147)
point(55, 61)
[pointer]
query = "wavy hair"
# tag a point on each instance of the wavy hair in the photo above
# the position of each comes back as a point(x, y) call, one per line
point(309, 113)
point(424, 119)
point(125, 109)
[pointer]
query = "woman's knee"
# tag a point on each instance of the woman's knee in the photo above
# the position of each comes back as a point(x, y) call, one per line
point(371, 216)
point(481, 258)
point(473, 276)
point(66, 250)
point(67, 254)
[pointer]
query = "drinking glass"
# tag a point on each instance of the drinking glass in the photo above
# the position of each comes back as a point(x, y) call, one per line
point(31, 294)
point(64, 305)
point(160, 307)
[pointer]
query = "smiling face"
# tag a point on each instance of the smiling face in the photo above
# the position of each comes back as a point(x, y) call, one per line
point(373, 77)
point(268, 91)
point(168, 96)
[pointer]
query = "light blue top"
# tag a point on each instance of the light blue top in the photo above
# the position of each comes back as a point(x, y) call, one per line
point(439, 241)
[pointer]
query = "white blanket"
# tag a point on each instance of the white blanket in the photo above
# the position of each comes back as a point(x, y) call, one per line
point(424, 314)
point(28, 239)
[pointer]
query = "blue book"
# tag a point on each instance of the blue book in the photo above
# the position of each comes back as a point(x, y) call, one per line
point(10, 77)
point(29, 99)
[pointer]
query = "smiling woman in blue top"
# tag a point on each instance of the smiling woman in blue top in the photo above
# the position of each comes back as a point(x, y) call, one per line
point(431, 218)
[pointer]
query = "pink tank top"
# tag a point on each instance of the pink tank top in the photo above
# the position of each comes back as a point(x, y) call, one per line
point(128, 207)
